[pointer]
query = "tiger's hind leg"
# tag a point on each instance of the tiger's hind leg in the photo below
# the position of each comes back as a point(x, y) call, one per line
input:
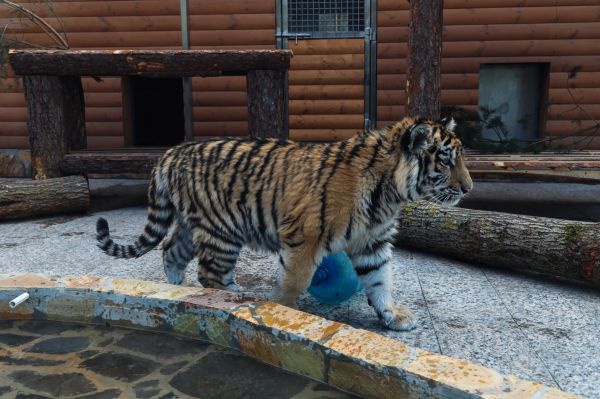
point(178, 251)
point(216, 266)
point(374, 270)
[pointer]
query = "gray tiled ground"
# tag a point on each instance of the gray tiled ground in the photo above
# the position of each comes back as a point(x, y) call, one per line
point(521, 325)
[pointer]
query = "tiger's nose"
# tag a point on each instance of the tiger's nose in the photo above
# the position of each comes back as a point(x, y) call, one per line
point(464, 189)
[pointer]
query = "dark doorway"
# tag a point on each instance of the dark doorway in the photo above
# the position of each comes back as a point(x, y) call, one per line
point(157, 112)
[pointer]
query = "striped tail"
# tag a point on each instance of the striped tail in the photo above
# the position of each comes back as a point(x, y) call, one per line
point(160, 217)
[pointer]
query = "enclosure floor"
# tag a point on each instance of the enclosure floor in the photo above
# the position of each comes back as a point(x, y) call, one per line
point(531, 327)
point(57, 360)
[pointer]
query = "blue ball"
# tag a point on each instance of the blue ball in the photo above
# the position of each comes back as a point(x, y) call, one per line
point(335, 280)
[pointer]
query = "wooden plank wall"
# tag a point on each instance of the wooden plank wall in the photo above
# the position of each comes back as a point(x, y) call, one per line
point(219, 103)
point(326, 87)
point(502, 31)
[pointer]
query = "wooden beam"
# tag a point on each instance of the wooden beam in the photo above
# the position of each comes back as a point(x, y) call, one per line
point(109, 162)
point(150, 63)
point(55, 121)
point(267, 105)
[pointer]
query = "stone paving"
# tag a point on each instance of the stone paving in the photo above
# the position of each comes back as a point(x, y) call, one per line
point(530, 327)
point(58, 360)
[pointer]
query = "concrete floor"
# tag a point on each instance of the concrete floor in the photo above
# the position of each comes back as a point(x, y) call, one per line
point(534, 328)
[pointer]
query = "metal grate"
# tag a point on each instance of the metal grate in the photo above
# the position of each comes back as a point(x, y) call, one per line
point(307, 16)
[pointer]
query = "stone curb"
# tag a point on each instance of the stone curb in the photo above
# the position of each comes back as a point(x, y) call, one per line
point(353, 360)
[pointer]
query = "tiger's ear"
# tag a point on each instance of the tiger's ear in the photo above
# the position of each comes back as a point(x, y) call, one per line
point(417, 137)
point(449, 123)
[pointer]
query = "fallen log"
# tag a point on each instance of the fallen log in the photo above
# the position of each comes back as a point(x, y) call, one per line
point(559, 248)
point(27, 198)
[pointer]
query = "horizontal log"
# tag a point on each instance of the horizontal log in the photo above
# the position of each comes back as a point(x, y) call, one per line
point(383, 5)
point(396, 97)
point(109, 162)
point(583, 80)
point(319, 92)
point(321, 134)
point(104, 114)
point(327, 46)
point(206, 114)
point(573, 112)
point(335, 77)
point(503, 15)
point(218, 98)
point(326, 107)
point(549, 31)
point(14, 141)
point(104, 128)
point(166, 63)
point(13, 128)
point(221, 128)
point(148, 7)
point(569, 127)
point(128, 39)
point(333, 61)
point(154, 23)
point(552, 247)
point(501, 48)
point(219, 83)
point(355, 121)
point(103, 99)
point(472, 64)
point(449, 81)
point(104, 142)
point(576, 142)
point(13, 114)
point(29, 198)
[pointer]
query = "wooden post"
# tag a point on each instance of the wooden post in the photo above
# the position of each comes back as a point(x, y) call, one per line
point(267, 108)
point(423, 89)
point(55, 121)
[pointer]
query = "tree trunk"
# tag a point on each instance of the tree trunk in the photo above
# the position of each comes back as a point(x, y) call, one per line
point(55, 121)
point(424, 58)
point(554, 247)
point(28, 198)
point(267, 108)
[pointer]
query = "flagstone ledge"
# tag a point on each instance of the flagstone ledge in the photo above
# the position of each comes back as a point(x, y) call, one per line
point(354, 360)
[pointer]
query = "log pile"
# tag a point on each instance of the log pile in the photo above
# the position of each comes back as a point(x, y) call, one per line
point(559, 248)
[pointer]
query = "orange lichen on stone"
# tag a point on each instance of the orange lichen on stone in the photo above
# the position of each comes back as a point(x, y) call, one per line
point(292, 355)
point(324, 330)
point(354, 378)
point(84, 282)
point(175, 293)
point(211, 298)
point(457, 373)
point(284, 318)
point(553, 393)
point(30, 280)
point(132, 287)
point(369, 346)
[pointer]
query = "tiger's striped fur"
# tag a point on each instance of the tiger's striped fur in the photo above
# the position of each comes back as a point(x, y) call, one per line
point(301, 201)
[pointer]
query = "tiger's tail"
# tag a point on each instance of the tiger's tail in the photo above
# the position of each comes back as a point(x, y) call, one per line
point(160, 218)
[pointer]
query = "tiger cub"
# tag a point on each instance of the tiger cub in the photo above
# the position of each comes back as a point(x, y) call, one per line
point(301, 201)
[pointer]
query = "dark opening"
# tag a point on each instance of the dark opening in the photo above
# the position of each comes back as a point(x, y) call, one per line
point(157, 112)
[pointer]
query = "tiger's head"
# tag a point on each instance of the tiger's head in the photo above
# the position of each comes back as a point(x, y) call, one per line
point(441, 174)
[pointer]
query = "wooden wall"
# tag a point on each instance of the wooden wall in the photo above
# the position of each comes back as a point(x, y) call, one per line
point(219, 103)
point(326, 87)
point(501, 31)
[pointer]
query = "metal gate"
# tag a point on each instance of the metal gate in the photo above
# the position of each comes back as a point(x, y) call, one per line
point(332, 82)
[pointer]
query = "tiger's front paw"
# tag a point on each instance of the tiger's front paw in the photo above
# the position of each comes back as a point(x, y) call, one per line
point(399, 318)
